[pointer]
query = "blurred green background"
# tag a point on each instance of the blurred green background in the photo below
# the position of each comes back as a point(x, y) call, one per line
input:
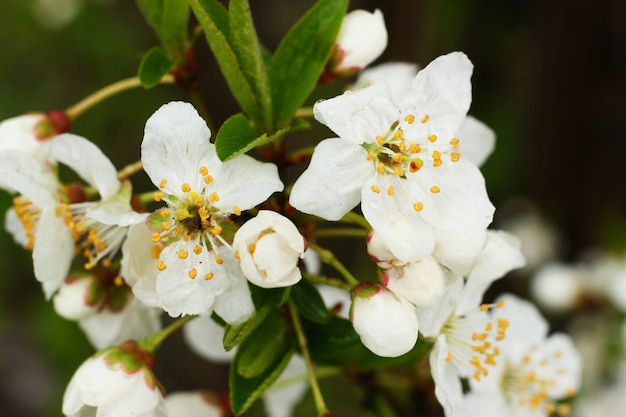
point(550, 79)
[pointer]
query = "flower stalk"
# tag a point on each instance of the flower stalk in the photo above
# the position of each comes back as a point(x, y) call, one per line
point(329, 258)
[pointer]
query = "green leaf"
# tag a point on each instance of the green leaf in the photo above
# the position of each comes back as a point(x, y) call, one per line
point(244, 391)
point(154, 65)
point(301, 57)
point(170, 21)
point(235, 334)
point(245, 44)
point(236, 136)
point(309, 302)
point(214, 20)
point(263, 347)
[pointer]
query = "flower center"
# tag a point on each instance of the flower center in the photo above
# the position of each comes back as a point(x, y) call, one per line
point(527, 384)
point(472, 340)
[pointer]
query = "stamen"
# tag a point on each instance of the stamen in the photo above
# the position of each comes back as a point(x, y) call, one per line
point(192, 273)
point(216, 230)
point(156, 237)
point(208, 276)
point(218, 260)
point(380, 140)
point(185, 187)
point(425, 118)
point(208, 179)
point(418, 206)
point(375, 188)
point(158, 196)
point(237, 210)
point(409, 118)
point(182, 254)
point(434, 189)
point(162, 183)
point(161, 265)
point(204, 171)
point(455, 156)
point(413, 148)
point(197, 250)
point(213, 197)
point(390, 191)
point(432, 138)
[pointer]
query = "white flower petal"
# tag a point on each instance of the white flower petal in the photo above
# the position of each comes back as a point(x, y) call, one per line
point(175, 145)
point(14, 226)
point(362, 38)
point(477, 140)
point(235, 304)
point(397, 75)
point(88, 161)
point(358, 116)
point(22, 173)
point(53, 251)
point(191, 404)
point(331, 185)
point(204, 337)
point(283, 395)
point(448, 389)
point(245, 182)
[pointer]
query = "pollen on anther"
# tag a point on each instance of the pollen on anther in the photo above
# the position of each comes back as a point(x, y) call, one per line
point(454, 142)
point(380, 167)
point(237, 210)
point(380, 140)
point(397, 157)
point(434, 189)
point(390, 191)
point(484, 307)
point(455, 156)
point(413, 148)
point(218, 260)
point(156, 237)
point(158, 196)
point(197, 250)
point(213, 197)
point(185, 187)
point(418, 206)
point(161, 265)
point(162, 183)
point(398, 171)
point(500, 304)
point(448, 357)
point(409, 118)
point(216, 230)
point(370, 156)
point(208, 179)
point(425, 118)
point(398, 134)
point(164, 212)
point(437, 163)
point(192, 273)
point(208, 276)
point(375, 188)
point(432, 138)
point(203, 171)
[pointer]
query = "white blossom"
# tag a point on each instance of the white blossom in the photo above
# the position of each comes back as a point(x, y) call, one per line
point(269, 248)
point(361, 39)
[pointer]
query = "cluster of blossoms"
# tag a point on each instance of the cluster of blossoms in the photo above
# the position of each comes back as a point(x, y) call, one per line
point(213, 233)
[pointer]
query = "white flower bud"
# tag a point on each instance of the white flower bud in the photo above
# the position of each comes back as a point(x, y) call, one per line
point(386, 323)
point(113, 383)
point(557, 286)
point(30, 133)
point(362, 38)
point(380, 252)
point(71, 301)
point(269, 247)
point(193, 404)
point(421, 282)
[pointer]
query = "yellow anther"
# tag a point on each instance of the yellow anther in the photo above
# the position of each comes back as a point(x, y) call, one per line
point(193, 195)
point(500, 304)
point(398, 171)
point(434, 189)
point(208, 179)
point(156, 237)
point(488, 327)
point(192, 273)
point(370, 155)
point(418, 206)
point(158, 196)
point(436, 155)
point(164, 212)
point(165, 226)
point(484, 307)
point(437, 163)
point(380, 167)
point(198, 201)
point(186, 237)
point(398, 134)
point(236, 255)
point(208, 276)
point(397, 157)
point(213, 197)
point(409, 118)
point(413, 148)
point(380, 140)
point(402, 145)
point(182, 254)
point(390, 191)
point(432, 138)
point(375, 188)
point(162, 183)
point(425, 118)
point(203, 171)
point(251, 248)
point(454, 142)
point(183, 214)
point(155, 251)
point(218, 260)
point(237, 210)
point(161, 265)
point(455, 156)
point(185, 187)
point(118, 281)
point(448, 357)
point(503, 323)
point(216, 230)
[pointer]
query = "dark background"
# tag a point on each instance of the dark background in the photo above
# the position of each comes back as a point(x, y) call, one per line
point(549, 78)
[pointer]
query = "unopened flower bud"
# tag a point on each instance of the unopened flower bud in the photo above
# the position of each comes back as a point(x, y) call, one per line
point(386, 323)
point(269, 248)
point(75, 299)
point(115, 382)
point(421, 282)
point(362, 38)
point(30, 133)
point(380, 252)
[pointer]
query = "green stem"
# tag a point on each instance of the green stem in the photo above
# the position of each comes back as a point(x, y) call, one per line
point(130, 169)
point(79, 108)
point(354, 218)
point(320, 405)
point(340, 232)
point(151, 343)
point(329, 258)
point(331, 282)
point(304, 112)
